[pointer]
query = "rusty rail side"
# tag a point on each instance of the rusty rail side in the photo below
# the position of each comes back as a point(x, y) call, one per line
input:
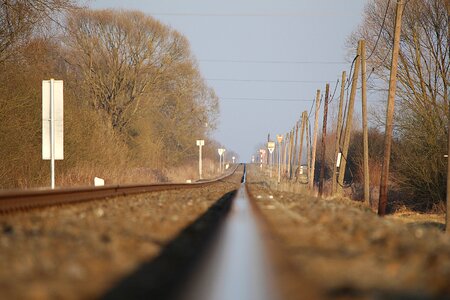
point(23, 200)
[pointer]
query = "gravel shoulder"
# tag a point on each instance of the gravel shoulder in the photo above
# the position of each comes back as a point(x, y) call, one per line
point(79, 251)
point(347, 252)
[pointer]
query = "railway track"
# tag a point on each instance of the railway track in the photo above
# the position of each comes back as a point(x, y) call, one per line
point(206, 243)
point(23, 200)
point(220, 256)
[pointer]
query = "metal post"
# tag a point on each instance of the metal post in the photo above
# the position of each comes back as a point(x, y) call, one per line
point(52, 133)
point(271, 164)
point(223, 161)
point(279, 162)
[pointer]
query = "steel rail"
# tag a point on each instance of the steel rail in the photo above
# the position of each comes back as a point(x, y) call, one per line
point(28, 199)
point(237, 267)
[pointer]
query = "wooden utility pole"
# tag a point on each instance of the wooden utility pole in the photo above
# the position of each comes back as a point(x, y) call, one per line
point(324, 136)
point(382, 203)
point(364, 124)
point(291, 153)
point(308, 147)
point(338, 139)
point(348, 123)
point(285, 153)
point(295, 150)
point(314, 142)
point(447, 226)
point(300, 150)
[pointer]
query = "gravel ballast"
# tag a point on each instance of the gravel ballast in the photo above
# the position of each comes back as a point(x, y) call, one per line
point(348, 252)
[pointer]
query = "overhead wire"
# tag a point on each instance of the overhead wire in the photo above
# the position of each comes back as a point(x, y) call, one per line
point(381, 30)
point(334, 92)
point(271, 14)
point(265, 80)
point(266, 99)
point(272, 61)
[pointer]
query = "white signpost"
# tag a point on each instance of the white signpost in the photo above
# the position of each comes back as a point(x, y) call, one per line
point(233, 158)
point(221, 152)
point(279, 139)
point(271, 147)
point(200, 144)
point(52, 123)
point(262, 153)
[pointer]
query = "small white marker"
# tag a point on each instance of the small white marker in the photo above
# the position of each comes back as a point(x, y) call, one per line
point(99, 181)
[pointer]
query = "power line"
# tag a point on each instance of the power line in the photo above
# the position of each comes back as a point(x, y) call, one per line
point(265, 80)
point(266, 99)
point(335, 88)
point(381, 30)
point(280, 14)
point(239, 61)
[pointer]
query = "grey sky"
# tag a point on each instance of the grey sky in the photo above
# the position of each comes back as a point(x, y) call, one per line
point(231, 39)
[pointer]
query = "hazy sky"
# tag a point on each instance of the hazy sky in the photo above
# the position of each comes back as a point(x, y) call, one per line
point(268, 52)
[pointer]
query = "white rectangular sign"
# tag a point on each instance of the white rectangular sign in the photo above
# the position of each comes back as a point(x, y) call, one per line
point(338, 161)
point(46, 119)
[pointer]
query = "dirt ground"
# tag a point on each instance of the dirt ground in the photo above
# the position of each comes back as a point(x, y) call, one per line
point(343, 250)
point(79, 251)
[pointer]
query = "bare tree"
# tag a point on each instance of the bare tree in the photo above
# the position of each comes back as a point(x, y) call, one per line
point(19, 18)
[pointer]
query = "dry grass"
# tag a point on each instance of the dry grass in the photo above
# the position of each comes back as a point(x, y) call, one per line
point(190, 171)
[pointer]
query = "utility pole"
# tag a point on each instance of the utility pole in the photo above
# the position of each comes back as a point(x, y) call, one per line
point(382, 203)
point(364, 124)
point(314, 142)
point(308, 147)
point(295, 149)
point(291, 152)
point(348, 125)
point(279, 140)
point(302, 133)
point(447, 226)
point(337, 143)
point(285, 153)
point(324, 136)
point(288, 161)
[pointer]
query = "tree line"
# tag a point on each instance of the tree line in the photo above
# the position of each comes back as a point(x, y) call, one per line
point(134, 99)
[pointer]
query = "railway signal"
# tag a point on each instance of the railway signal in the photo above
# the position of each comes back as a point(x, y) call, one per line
point(200, 144)
point(52, 124)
